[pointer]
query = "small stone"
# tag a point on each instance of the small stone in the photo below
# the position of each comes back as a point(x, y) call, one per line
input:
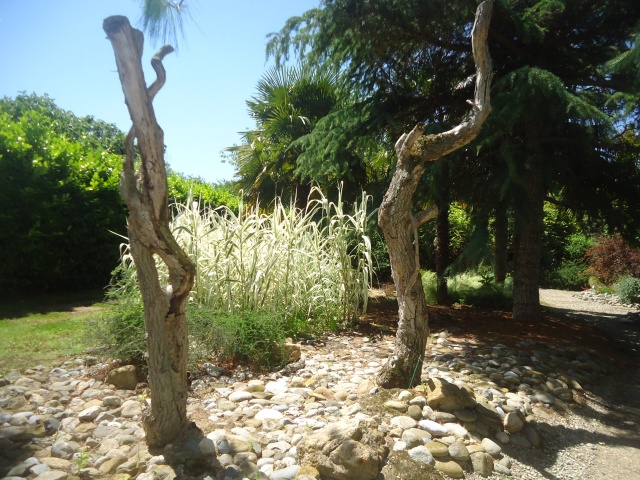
point(419, 401)
point(52, 475)
point(131, 408)
point(437, 449)
point(288, 473)
point(450, 468)
point(519, 440)
point(433, 428)
point(403, 422)
point(124, 378)
point(465, 415)
point(414, 437)
point(64, 450)
point(513, 423)
point(498, 468)
point(545, 397)
point(415, 412)
point(396, 405)
point(482, 463)
point(503, 437)
point(89, 414)
point(458, 452)
point(491, 447)
point(422, 454)
point(240, 396)
point(269, 414)
point(112, 401)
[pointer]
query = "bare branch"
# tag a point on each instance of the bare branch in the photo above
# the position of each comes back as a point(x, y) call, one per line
point(425, 215)
point(432, 147)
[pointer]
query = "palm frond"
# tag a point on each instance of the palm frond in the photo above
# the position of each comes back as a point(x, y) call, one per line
point(164, 20)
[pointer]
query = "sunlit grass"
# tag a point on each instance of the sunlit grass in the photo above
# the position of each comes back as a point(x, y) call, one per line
point(42, 339)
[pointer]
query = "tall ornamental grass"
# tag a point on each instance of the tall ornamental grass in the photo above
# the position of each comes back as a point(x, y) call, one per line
point(304, 270)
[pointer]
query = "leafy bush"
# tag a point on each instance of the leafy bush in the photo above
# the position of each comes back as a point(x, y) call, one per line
point(59, 178)
point(183, 188)
point(628, 289)
point(120, 331)
point(471, 288)
point(612, 258)
point(253, 338)
point(570, 275)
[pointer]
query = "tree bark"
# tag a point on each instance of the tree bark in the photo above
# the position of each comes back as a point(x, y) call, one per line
point(501, 234)
point(403, 369)
point(145, 192)
point(529, 228)
point(528, 251)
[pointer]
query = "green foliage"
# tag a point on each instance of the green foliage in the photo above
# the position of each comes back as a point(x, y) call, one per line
point(120, 330)
point(254, 338)
point(564, 247)
point(59, 179)
point(612, 258)
point(628, 289)
point(460, 233)
point(260, 278)
point(475, 288)
point(288, 104)
point(182, 188)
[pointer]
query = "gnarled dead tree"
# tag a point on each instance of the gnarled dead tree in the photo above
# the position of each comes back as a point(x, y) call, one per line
point(399, 224)
point(145, 192)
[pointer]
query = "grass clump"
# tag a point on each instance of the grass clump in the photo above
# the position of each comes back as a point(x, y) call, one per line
point(261, 277)
point(475, 288)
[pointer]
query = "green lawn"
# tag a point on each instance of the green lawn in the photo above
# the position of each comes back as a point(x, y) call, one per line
point(30, 339)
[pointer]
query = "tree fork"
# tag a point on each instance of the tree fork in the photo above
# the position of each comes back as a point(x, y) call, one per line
point(145, 192)
point(403, 369)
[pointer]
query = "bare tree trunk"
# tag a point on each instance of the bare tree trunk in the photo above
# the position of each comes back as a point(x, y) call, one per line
point(399, 225)
point(501, 233)
point(146, 195)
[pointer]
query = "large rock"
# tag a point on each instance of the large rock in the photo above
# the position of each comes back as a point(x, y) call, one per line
point(124, 378)
point(446, 396)
point(349, 450)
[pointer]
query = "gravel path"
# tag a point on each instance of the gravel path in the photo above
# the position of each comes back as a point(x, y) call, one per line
point(600, 440)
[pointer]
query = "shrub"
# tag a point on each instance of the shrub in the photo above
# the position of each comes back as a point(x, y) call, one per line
point(252, 338)
point(472, 288)
point(570, 275)
point(612, 258)
point(120, 331)
point(628, 289)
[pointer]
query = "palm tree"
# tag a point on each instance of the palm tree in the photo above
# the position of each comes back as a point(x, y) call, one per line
point(288, 104)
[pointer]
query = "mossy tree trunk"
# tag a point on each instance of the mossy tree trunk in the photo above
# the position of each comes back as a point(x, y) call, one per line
point(145, 192)
point(400, 225)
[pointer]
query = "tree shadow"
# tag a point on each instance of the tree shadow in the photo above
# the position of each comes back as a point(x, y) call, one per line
point(25, 304)
point(610, 401)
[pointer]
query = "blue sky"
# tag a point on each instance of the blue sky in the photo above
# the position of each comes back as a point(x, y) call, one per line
point(58, 47)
